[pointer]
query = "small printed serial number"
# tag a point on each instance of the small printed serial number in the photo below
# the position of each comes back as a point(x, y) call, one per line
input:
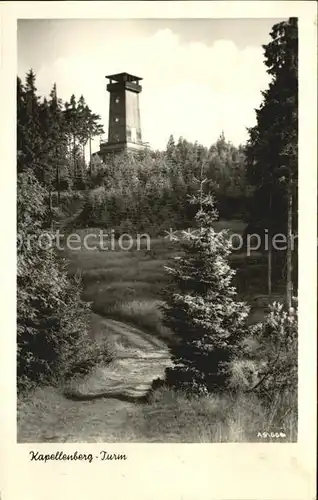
point(271, 435)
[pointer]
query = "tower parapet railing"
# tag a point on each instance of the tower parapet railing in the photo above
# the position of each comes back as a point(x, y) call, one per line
point(103, 142)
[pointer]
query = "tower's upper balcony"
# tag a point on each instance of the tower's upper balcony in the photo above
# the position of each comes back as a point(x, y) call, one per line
point(124, 80)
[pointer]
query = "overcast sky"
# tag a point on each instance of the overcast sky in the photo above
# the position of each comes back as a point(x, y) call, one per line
point(200, 76)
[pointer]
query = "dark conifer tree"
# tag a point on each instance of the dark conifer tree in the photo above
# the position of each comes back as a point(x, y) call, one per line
point(202, 307)
point(272, 149)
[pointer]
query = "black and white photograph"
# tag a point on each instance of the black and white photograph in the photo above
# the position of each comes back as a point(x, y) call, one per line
point(157, 230)
point(159, 250)
point(157, 254)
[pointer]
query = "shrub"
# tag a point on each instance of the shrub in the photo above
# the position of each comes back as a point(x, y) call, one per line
point(278, 350)
point(269, 368)
point(52, 320)
point(78, 351)
point(244, 374)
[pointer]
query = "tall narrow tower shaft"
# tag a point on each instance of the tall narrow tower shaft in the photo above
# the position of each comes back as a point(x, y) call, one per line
point(124, 129)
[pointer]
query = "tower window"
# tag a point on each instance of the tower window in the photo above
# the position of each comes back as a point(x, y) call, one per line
point(117, 120)
point(117, 100)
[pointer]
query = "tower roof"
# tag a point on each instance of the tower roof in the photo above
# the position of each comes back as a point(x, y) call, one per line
point(123, 77)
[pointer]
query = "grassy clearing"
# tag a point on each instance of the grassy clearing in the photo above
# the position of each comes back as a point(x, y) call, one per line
point(47, 416)
point(128, 284)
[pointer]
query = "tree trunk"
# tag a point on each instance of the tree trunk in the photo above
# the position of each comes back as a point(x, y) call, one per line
point(50, 212)
point(269, 254)
point(74, 158)
point(50, 201)
point(90, 156)
point(57, 177)
point(289, 284)
point(58, 183)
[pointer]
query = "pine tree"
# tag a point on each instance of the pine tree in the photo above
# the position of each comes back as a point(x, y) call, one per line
point(272, 149)
point(54, 141)
point(170, 148)
point(94, 128)
point(202, 307)
point(57, 138)
point(21, 120)
point(82, 126)
point(90, 128)
point(70, 114)
point(41, 134)
point(29, 130)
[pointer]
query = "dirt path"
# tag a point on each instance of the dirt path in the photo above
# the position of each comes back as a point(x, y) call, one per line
point(140, 359)
point(102, 406)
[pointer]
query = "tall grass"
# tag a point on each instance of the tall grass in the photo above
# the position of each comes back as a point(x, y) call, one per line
point(144, 313)
point(168, 416)
point(227, 418)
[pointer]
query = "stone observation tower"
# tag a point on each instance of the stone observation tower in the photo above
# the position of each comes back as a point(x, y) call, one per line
point(124, 130)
